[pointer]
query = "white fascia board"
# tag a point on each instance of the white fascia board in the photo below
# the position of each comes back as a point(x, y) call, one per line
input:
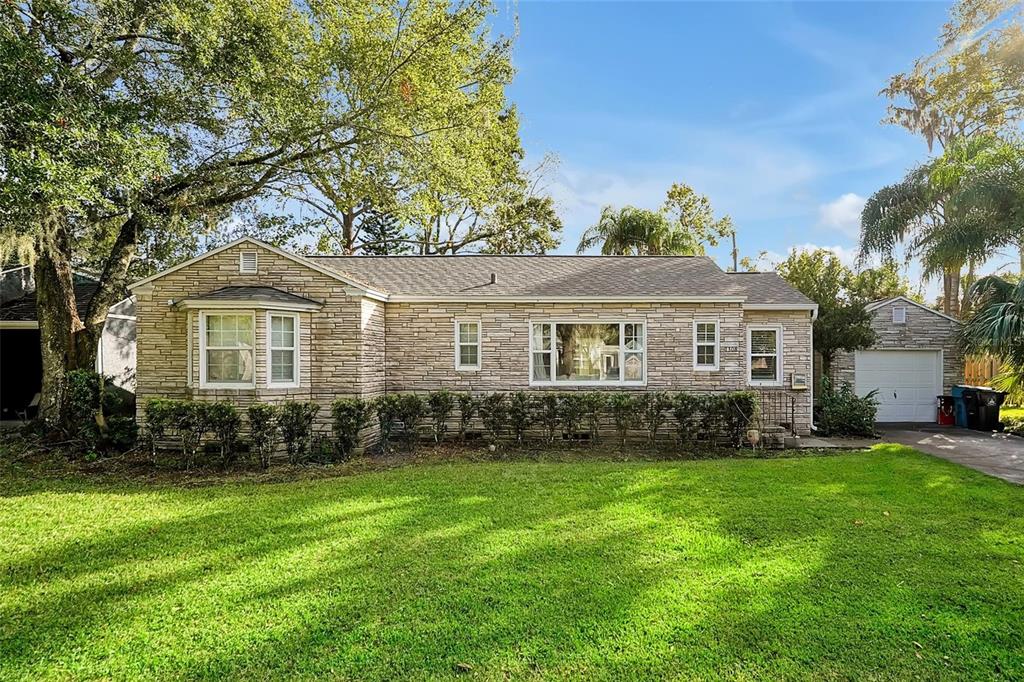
point(365, 291)
point(406, 298)
point(812, 307)
point(903, 299)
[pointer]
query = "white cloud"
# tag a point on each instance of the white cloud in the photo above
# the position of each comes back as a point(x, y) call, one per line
point(843, 214)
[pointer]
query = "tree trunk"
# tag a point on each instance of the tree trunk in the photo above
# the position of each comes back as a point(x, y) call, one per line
point(954, 288)
point(348, 220)
point(946, 296)
point(58, 323)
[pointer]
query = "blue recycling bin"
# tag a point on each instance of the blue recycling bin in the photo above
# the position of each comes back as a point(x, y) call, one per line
point(960, 404)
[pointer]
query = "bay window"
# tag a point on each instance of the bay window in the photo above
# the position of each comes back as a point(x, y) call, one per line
point(227, 350)
point(587, 353)
point(764, 350)
point(282, 350)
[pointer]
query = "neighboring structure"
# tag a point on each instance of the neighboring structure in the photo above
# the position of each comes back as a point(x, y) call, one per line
point(21, 366)
point(915, 358)
point(248, 321)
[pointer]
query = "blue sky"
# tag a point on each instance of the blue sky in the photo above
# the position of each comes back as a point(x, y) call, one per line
point(771, 109)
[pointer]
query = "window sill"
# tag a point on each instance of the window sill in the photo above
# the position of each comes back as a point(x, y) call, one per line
point(705, 369)
point(595, 384)
point(467, 369)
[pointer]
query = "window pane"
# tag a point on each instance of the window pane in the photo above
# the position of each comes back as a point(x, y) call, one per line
point(468, 355)
point(282, 365)
point(634, 336)
point(282, 331)
point(763, 368)
point(468, 332)
point(705, 333)
point(705, 355)
point(229, 366)
point(587, 352)
point(763, 342)
point(542, 366)
point(542, 337)
point(634, 367)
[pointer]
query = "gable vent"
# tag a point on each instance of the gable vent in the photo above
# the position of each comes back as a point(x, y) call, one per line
point(899, 315)
point(247, 262)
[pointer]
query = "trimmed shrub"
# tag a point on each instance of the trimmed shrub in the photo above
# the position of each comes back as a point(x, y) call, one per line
point(411, 408)
point(263, 431)
point(687, 409)
point(190, 420)
point(594, 403)
point(159, 419)
point(547, 414)
point(386, 407)
point(739, 410)
point(225, 423)
point(100, 415)
point(442, 404)
point(494, 413)
point(296, 423)
point(844, 413)
point(469, 405)
point(651, 408)
point(623, 407)
point(520, 408)
point(348, 417)
point(571, 409)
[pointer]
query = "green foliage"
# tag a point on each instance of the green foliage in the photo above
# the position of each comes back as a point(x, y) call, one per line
point(624, 408)
point(387, 408)
point(225, 423)
point(442, 404)
point(547, 414)
point(636, 231)
point(651, 409)
point(494, 414)
point(159, 420)
point(571, 409)
point(411, 408)
point(520, 414)
point(190, 420)
point(844, 413)
point(738, 413)
point(687, 409)
point(295, 420)
point(594, 403)
point(263, 431)
point(694, 217)
point(469, 405)
point(99, 417)
point(348, 417)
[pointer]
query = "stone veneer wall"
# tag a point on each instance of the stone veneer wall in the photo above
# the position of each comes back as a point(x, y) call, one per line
point(341, 345)
point(421, 346)
point(924, 330)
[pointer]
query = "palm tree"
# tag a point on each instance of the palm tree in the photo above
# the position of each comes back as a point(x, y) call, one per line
point(633, 231)
point(934, 214)
point(997, 328)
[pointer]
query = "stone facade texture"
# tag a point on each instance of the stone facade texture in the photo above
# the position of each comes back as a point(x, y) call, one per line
point(358, 346)
point(924, 330)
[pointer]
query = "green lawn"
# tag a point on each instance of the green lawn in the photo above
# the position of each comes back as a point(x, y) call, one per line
point(884, 564)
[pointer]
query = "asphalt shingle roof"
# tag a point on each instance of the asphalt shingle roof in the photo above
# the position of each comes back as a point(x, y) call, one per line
point(621, 276)
point(252, 293)
point(24, 309)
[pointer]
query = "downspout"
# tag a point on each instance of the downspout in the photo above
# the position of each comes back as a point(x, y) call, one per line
point(814, 316)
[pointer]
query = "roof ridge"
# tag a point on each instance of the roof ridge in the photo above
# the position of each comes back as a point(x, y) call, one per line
point(497, 255)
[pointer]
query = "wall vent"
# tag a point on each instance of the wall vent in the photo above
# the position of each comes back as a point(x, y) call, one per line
point(899, 315)
point(247, 262)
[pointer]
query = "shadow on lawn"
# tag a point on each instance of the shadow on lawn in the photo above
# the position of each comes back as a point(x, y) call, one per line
point(628, 570)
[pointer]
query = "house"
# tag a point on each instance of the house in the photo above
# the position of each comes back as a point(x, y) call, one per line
point(916, 357)
point(248, 321)
point(21, 365)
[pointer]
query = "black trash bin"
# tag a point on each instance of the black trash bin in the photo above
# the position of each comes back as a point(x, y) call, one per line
point(970, 398)
point(988, 409)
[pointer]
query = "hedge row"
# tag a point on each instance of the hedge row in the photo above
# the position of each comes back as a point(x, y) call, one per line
point(715, 419)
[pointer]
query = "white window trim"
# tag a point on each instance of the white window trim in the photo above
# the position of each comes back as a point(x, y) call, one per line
point(779, 372)
point(270, 356)
point(459, 367)
point(203, 383)
point(718, 347)
point(255, 259)
point(622, 322)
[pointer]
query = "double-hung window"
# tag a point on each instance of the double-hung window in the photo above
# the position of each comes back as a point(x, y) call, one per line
point(587, 353)
point(764, 347)
point(283, 349)
point(467, 345)
point(705, 345)
point(227, 353)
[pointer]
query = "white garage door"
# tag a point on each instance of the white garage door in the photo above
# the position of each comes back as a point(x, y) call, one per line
point(907, 382)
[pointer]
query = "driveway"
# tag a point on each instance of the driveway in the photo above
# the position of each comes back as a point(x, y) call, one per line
point(996, 454)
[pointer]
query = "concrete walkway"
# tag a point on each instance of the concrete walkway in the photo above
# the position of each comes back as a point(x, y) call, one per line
point(996, 454)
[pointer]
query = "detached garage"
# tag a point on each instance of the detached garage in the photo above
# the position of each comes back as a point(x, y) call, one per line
point(916, 357)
